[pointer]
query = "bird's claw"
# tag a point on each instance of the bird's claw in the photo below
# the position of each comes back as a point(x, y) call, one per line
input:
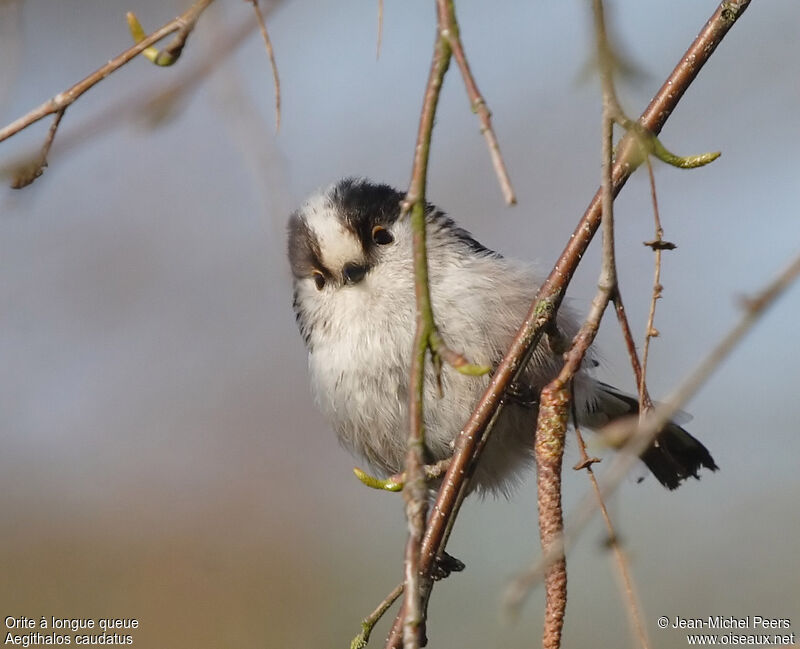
point(444, 564)
point(521, 394)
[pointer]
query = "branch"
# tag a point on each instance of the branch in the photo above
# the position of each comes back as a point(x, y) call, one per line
point(449, 30)
point(648, 140)
point(639, 369)
point(471, 439)
point(380, 30)
point(262, 25)
point(397, 481)
point(551, 429)
point(658, 244)
point(551, 426)
point(640, 435)
point(550, 432)
point(369, 622)
point(415, 490)
point(183, 24)
point(34, 168)
point(172, 52)
point(634, 609)
point(150, 104)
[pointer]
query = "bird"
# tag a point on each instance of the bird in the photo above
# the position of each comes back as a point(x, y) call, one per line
point(350, 253)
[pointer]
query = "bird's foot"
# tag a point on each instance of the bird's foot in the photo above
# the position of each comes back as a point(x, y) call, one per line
point(521, 394)
point(444, 564)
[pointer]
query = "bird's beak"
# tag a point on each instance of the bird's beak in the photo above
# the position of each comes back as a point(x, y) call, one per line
point(353, 273)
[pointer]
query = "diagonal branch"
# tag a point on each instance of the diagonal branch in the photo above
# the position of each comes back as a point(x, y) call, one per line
point(172, 52)
point(57, 104)
point(29, 172)
point(151, 103)
point(641, 434)
point(262, 25)
point(449, 30)
point(634, 608)
point(550, 294)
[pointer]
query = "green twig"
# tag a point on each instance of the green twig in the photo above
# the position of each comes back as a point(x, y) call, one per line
point(682, 162)
point(388, 484)
point(397, 482)
point(369, 622)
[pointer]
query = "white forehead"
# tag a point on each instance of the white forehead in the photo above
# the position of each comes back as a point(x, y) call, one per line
point(337, 244)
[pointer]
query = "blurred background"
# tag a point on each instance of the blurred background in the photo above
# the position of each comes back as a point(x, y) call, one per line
point(161, 456)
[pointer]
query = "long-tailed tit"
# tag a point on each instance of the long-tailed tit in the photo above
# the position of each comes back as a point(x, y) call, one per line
point(351, 258)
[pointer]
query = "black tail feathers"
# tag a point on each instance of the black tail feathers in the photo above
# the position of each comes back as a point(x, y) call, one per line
point(675, 455)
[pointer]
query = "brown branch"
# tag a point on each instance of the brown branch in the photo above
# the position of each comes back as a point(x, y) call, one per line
point(640, 435)
point(450, 30)
point(645, 402)
point(550, 294)
point(658, 244)
point(369, 622)
point(411, 625)
point(551, 427)
point(172, 52)
point(150, 103)
point(623, 567)
point(183, 25)
point(415, 490)
point(613, 113)
point(380, 30)
point(262, 25)
point(28, 173)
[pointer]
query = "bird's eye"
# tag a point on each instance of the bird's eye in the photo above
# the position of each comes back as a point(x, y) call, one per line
point(319, 279)
point(381, 235)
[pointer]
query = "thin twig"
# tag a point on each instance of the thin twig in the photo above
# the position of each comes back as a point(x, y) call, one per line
point(471, 439)
point(369, 622)
point(170, 54)
point(397, 481)
point(271, 53)
point(613, 113)
point(415, 490)
point(645, 402)
point(153, 99)
point(648, 140)
point(426, 338)
point(552, 544)
point(380, 30)
point(450, 30)
point(551, 426)
point(183, 24)
point(658, 244)
point(26, 175)
point(640, 435)
point(623, 565)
